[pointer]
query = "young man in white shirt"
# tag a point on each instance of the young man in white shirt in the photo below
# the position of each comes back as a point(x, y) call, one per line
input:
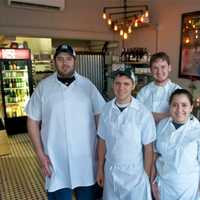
point(155, 95)
point(126, 133)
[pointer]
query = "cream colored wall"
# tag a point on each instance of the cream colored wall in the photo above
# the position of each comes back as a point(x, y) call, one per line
point(79, 19)
point(166, 19)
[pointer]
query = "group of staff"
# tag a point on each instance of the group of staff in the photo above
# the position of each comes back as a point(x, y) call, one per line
point(146, 145)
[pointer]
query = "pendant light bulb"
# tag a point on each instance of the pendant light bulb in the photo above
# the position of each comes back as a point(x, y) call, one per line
point(187, 41)
point(104, 15)
point(109, 21)
point(115, 28)
point(125, 35)
point(129, 29)
point(142, 18)
point(146, 14)
point(136, 23)
point(121, 32)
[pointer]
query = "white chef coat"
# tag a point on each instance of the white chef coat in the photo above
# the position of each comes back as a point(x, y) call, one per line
point(178, 163)
point(156, 98)
point(68, 129)
point(125, 133)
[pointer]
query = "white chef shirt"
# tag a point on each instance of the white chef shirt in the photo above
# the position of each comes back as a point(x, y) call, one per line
point(125, 133)
point(68, 129)
point(179, 162)
point(156, 98)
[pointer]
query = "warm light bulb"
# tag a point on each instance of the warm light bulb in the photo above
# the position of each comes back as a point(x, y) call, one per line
point(196, 31)
point(196, 36)
point(125, 35)
point(190, 21)
point(121, 32)
point(193, 26)
point(187, 41)
point(109, 21)
point(129, 29)
point(146, 14)
point(104, 15)
point(142, 18)
point(136, 23)
point(115, 28)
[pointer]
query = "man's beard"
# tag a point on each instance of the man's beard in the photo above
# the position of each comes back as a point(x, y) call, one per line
point(68, 75)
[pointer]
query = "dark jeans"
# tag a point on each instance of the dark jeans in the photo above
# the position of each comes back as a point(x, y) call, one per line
point(81, 193)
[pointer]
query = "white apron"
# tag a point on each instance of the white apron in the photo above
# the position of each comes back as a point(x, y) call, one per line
point(178, 163)
point(125, 178)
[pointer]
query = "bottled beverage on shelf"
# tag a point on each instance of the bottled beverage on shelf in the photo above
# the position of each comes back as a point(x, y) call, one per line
point(122, 56)
point(14, 83)
point(136, 54)
point(10, 83)
point(6, 65)
point(9, 111)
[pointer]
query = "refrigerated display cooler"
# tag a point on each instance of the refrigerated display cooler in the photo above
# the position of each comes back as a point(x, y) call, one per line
point(16, 87)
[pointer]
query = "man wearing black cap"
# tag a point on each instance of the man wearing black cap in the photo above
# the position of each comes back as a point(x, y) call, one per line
point(62, 115)
point(126, 132)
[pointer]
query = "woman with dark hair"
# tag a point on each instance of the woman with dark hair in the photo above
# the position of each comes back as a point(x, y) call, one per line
point(178, 151)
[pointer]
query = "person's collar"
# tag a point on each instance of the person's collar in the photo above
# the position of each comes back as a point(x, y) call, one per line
point(76, 75)
point(165, 85)
point(66, 81)
point(133, 104)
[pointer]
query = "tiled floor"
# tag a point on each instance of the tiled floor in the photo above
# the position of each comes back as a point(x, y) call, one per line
point(20, 177)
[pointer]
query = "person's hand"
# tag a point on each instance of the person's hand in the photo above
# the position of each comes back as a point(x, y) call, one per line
point(100, 177)
point(45, 164)
point(155, 191)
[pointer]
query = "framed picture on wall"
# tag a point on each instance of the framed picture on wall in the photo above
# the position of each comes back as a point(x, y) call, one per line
point(189, 60)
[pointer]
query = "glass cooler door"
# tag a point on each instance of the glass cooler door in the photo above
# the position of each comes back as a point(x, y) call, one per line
point(15, 87)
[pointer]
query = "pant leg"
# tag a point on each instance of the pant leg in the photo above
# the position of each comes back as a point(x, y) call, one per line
point(88, 192)
point(62, 194)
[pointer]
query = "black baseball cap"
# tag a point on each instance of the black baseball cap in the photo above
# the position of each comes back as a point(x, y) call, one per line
point(66, 48)
point(123, 70)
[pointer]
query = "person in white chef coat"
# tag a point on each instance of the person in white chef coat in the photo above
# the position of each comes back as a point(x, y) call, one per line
point(126, 133)
point(178, 151)
point(62, 117)
point(155, 95)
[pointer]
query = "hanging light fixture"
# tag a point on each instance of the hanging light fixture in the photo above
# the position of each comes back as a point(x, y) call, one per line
point(124, 19)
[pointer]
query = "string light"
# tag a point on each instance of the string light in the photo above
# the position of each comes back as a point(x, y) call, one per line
point(125, 18)
point(125, 35)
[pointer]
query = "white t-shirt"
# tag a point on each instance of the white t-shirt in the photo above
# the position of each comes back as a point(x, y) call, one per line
point(68, 129)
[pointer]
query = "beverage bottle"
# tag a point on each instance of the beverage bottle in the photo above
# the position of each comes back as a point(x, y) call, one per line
point(145, 55)
point(10, 83)
point(122, 55)
point(14, 83)
point(131, 54)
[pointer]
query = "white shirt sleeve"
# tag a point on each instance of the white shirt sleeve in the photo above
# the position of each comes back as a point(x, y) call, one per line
point(34, 107)
point(102, 130)
point(97, 100)
point(148, 128)
point(141, 95)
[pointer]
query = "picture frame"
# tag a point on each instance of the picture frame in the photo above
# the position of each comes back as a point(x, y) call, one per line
point(189, 59)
